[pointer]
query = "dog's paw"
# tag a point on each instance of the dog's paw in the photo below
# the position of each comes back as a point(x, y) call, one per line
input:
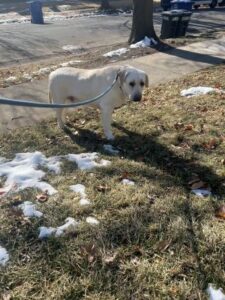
point(110, 137)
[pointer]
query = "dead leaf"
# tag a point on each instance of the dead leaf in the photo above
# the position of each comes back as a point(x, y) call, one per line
point(151, 199)
point(6, 296)
point(178, 125)
point(164, 245)
point(217, 86)
point(90, 251)
point(184, 145)
point(188, 127)
point(198, 185)
point(220, 212)
point(2, 192)
point(103, 188)
point(125, 175)
point(110, 258)
point(82, 122)
point(42, 197)
point(212, 144)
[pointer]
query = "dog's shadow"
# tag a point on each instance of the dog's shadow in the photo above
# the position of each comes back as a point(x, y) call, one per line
point(146, 148)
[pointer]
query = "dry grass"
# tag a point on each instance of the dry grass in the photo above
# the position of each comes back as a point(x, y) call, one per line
point(155, 240)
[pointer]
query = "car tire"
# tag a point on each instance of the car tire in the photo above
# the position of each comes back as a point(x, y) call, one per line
point(213, 4)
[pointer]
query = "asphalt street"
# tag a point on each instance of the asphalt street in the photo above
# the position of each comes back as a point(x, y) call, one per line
point(22, 42)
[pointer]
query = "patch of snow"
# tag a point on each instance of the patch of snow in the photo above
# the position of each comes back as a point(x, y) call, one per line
point(110, 149)
point(27, 76)
point(128, 182)
point(86, 161)
point(72, 48)
point(215, 294)
point(70, 225)
point(22, 173)
point(117, 52)
point(4, 256)
point(53, 67)
point(46, 232)
point(92, 221)
point(198, 90)
point(84, 202)
point(11, 79)
point(146, 42)
point(53, 164)
point(29, 209)
point(66, 64)
point(80, 189)
point(44, 71)
point(64, 7)
point(75, 61)
point(201, 192)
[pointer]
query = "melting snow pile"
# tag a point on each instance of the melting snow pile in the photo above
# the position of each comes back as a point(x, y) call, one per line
point(29, 210)
point(22, 172)
point(117, 52)
point(92, 221)
point(80, 189)
point(146, 42)
point(128, 182)
point(70, 225)
point(86, 161)
point(72, 48)
point(198, 90)
point(215, 294)
point(201, 192)
point(4, 256)
point(11, 79)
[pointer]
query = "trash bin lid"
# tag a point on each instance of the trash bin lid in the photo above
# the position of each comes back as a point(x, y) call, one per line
point(175, 12)
point(182, 1)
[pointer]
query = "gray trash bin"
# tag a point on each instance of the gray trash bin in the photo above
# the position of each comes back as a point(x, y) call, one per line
point(170, 23)
point(36, 12)
point(183, 25)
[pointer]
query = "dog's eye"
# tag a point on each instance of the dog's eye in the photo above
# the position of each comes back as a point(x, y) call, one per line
point(132, 83)
point(142, 83)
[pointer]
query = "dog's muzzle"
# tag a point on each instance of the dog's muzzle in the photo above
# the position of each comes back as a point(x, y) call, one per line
point(136, 97)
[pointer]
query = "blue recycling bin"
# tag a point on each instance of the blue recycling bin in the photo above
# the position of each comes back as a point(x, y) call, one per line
point(182, 4)
point(36, 12)
point(166, 5)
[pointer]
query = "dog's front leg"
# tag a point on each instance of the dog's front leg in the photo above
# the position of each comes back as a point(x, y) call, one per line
point(106, 116)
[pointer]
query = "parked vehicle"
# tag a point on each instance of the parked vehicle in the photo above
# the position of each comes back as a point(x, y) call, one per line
point(210, 3)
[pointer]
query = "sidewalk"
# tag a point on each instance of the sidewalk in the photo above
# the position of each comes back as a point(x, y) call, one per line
point(161, 68)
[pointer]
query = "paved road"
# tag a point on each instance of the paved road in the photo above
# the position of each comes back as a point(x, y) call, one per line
point(20, 42)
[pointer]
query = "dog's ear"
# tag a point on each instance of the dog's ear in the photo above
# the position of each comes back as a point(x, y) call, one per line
point(122, 75)
point(146, 80)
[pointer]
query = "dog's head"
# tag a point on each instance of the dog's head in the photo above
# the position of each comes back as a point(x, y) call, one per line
point(132, 82)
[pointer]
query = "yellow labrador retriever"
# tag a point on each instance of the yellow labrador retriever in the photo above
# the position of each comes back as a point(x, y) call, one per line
point(72, 84)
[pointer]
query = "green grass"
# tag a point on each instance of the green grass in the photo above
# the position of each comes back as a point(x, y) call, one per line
point(155, 240)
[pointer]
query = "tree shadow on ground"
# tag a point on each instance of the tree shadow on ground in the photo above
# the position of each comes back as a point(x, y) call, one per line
point(190, 55)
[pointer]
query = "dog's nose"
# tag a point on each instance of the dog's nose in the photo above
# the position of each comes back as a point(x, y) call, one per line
point(137, 97)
